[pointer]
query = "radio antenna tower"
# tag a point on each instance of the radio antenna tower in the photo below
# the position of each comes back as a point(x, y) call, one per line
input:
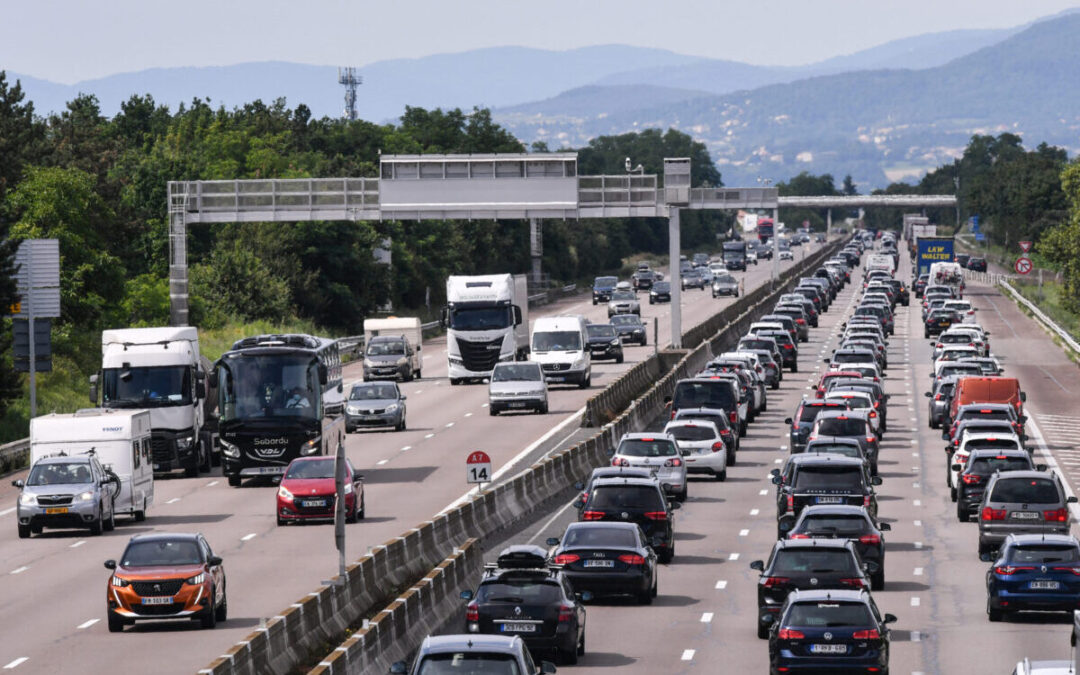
point(349, 78)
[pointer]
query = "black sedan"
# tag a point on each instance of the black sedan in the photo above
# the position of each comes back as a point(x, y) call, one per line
point(660, 292)
point(853, 523)
point(977, 264)
point(939, 320)
point(630, 328)
point(608, 558)
point(604, 342)
point(691, 278)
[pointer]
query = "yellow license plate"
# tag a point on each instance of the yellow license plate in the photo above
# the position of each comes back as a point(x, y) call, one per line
point(57, 509)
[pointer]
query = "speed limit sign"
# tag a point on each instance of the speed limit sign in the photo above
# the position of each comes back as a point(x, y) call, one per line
point(478, 467)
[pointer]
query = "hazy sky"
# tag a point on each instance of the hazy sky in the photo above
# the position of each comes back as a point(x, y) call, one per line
point(71, 40)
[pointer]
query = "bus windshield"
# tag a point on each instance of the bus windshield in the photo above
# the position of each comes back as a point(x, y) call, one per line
point(269, 386)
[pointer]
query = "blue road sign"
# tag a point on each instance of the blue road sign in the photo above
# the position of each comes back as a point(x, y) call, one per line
point(979, 236)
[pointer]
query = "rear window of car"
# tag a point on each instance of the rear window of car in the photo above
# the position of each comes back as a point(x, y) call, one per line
point(626, 496)
point(843, 525)
point(985, 466)
point(639, 447)
point(981, 443)
point(811, 412)
point(757, 344)
point(853, 357)
point(688, 433)
point(808, 560)
point(453, 663)
point(1026, 491)
point(995, 415)
point(828, 615)
point(524, 590)
point(824, 477)
point(835, 449)
point(1044, 553)
point(715, 394)
point(836, 426)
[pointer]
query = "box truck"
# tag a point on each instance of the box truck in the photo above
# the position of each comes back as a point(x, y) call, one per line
point(487, 322)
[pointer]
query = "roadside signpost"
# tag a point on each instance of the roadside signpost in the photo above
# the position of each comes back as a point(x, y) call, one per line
point(38, 283)
point(478, 468)
point(1025, 246)
point(1023, 265)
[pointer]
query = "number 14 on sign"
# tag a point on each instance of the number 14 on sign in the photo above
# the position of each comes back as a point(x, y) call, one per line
point(478, 467)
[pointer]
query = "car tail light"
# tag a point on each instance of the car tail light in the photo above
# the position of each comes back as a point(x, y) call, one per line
point(870, 539)
point(725, 432)
point(853, 582)
point(866, 501)
point(790, 503)
point(869, 634)
point(992, 514)
point(798, 536)
point(632, 559)
point(717, 447)
point(566, 613)
point(870, 439)
point(937, 397)
point(971, 479)
point(675, 461)
point(656, 515)
point(1009, 570)
point(620, 461)
point(592, 515)
point(790, 634)
point(872, 415)
point(566, 558)
point(800, 321)
point(1056, 515)
point(787, 346)
point(795, 426)
point(733, 417)
point(472, 612)
point(1074, 570)
point(773, 582)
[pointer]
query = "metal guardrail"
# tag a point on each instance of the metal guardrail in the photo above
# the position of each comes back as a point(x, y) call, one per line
point(1065, 336)
point(14, 455)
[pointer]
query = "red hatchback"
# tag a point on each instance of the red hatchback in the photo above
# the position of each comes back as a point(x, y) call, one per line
point(307, 491)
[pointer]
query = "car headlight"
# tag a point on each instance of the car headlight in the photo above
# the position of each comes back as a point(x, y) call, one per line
point(352, 410)
point(616, 341)
point(402, 361)
point(311, 447)
point(348, 488)
point(284, 493)
point(229, 449)
point(456, 361)
point(184, 443)
point(392, 407)
point(86, 496)
point(28, 499)
point(197, 579)
point(119, 582)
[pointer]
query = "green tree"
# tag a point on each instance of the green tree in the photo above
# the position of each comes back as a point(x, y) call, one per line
point(1061, 243)
point(22, 136)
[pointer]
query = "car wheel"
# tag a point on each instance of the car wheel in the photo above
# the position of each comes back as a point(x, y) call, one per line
point(204, 457)
point(721, 475)
point(223, 610)
point(193, 470)
point(568, 657)
point(24, 531)
point(775, 385)
point(993, 613)
point(363, 509)
point(762, 631)
point(350, 517)
point(493, 412)
point(877, 580)
point(667, 555)
point(116, 624)
point(594, 302)
point(140, 514)
point(208, 618)
point(455, 381)
point(681, 497)
point(98, 525)
point(543, 409)
point(400, 426)
point(110, 524)
point(742, 428)
point(280, 521)
point(234, 481)
point(581, 644)
point(645, 597)
point(587, 382)
point(961, 512)
point(794, 367)
point(619, 358)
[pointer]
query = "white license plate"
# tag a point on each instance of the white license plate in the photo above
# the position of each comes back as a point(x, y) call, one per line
point(828, 649)
point(599, 563)
point(1044, 585)
point(517, 404)
point(158, 601)
point(1025, 515)
point(314, 502)
point(557, 379)
point(518, 627)
point(829, 500)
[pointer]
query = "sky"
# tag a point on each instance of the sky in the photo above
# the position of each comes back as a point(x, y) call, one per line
point(68, 41)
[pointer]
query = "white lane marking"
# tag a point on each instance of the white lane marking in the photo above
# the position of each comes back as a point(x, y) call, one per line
point(20, 570)
point(915, 602)
point(381, 462)
point(733, 556)
point(449, 424)
point(916, 636)
point(406, 447)
point(763, 492)
point(754, 512)
point(744, 533)
point(15, 664)
point(419, 391)
point(78, 543)
point(173, 500)
point(212, 483)
point(721, 585)
point(918, 545)
point(917, 502)
point(706, 617)
point(466, 414)
point(248, 537)
point(917, 571)
point(87, 624)
point(1051, 462)
point(7, 511)
point(688, 655)
point(429, 436)
point(914, 442)
point(778, 461)
point(918, 523)
point(484, 405)
point(915, 485)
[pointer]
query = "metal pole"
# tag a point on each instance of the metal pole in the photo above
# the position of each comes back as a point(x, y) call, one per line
point(339, 509)
point(33, 355)
point(775, 247)
point(656, 334)
point(536, 246)
point(828, 224)
point(674, 246)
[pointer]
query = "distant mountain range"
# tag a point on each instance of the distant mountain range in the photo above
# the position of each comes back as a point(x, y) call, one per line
point(881, 113)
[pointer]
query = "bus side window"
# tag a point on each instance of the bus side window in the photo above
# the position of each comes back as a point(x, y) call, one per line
point(135, 454)
point(146, 449)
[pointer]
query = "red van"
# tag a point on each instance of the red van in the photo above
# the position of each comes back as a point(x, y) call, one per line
point(988, 390)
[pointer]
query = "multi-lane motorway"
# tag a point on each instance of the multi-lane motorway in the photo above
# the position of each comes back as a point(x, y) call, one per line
point(52, 587)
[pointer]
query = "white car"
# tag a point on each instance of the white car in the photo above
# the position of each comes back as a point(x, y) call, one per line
point(751, 256)
point(951, 353)
point(976, 337)
point(785, 254)
point(964, 308)
point(969, 442)
point(702, 447)
point(656, 452)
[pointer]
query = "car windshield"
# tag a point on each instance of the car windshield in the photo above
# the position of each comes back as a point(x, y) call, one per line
point(840, 426)
point(60, 473)
point(841, 524)
point(712, 394)
point(161, 552)
point(625, 320)
point(828, 477)
point(386, 348)
point(480, 318)
point(516, 372)
point(312, 468)
point(1026, 491)
point(829, 615)
point(662, 287)
point(1044, 553)
point(373, 391)
point(468, 663)
point(986, 466)
point(532, 591)
point(647, 447)
point(623, 295)
point(601, 330)
point(605, 282)
point(809, 560)
point(725, 279)
point(557, 340)
point(645, 497)
point(146, 387)
point(691, 433)
point(605, 537)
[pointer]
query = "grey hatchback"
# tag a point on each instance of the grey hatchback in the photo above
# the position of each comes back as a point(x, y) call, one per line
point(1022, 502)
point(375, 404)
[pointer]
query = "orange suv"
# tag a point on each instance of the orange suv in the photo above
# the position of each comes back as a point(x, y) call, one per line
point(166, 576)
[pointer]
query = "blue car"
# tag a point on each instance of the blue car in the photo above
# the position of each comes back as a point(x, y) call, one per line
point(602, 289)
point(830, 632)
point(1033, 572)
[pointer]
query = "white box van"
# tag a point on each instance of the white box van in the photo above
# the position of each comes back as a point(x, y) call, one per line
point(560, 344)
point(119, 438)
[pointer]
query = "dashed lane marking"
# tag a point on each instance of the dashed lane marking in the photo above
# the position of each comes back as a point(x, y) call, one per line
point(917, 571)
point(706, 617)
point(248, 537)
point(721, 585)
point(449, 424)
point(754, 512)
point(429, 436)
point(78, 543)
point(763, 492)
point(918, 523)
point(381, 462)
point(688, 655)
point(744, 533)
point(918, 545)
point(16, 663)
point(87, 624)
point(915, 601)
point(20, 570)
point(173, 500)
point(733, 556)
point(466, 414)
point(7, 511)
point(212, 483)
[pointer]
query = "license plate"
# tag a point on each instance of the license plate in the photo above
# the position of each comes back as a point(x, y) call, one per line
point(1044, 585)
point(557, 379)
point(828, 649)
point(518, 627)
point(167, 600)
point(315, 502)
point(599, 563)
point(372, 418)
point(57, 509)
point(517, 404)
point(1025, 515)
point(267, 470)
point(829, 500)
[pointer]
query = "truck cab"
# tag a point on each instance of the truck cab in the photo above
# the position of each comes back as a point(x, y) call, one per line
point(487, 322)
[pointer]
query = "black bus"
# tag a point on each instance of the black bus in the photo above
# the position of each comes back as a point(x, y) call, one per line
point(279, 397)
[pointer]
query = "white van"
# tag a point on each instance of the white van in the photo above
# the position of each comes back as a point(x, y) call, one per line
point(119, 437)
point(560, 344)
point(880, 261)
point(948, 274)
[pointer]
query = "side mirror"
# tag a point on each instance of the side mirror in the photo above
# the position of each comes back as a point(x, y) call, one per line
point(214, 560)
point(871, 567)
point(1023, 396)
point(776, 480)
point(785, 524)
point(884, 527)
point(758, 565)
point(517, 315)
point(404, 397)
point(323, 374)
point(552, 541)
point(212, 379)
point(1071, 500)
point(200, 390)
point(398, 668)
point(889, 618)
point(667, 400)
point(1040, 467)
point(579, 485)
point(986, 557)
point(110, 564)
point(787, 420)
point(579, 504)
point(875, 481)
point(466, 595)
point(675, 506)
point(774, 472)
point(442, 318)
point(956, 467)
point(547, 667)
point(586, 596)
point(928, 394)
point(93, 389)
point(18, 483)
point(1023, 419)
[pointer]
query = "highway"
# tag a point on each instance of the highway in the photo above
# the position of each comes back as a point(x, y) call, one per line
point(53, 586)
point(935, 584)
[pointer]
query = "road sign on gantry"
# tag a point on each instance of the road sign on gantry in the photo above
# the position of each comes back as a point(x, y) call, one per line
point(1022, 266)
point(1025, 246)
point(478, 467)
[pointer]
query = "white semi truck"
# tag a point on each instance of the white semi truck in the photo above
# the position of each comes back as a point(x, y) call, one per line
point(160, 370)
point(487, 322)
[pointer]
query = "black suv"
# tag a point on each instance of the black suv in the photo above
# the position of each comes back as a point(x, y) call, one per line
point(604, 342)
point(977, 264)
point(821, 479)
point(804, 565)
point(803, 419)
point(521, 595)
point(853, 523)
point(642, 280)
point(635, 500)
